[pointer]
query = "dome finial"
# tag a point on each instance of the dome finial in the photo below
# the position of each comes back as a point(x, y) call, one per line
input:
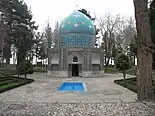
point(76, 7)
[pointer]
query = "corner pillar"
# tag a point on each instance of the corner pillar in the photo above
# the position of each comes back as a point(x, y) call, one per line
point(102, 60)
point(63, 62)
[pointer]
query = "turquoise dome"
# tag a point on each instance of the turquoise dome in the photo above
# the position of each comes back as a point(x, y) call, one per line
point(77, 22)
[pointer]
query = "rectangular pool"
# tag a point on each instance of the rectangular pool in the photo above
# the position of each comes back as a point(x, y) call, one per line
point(72, 86)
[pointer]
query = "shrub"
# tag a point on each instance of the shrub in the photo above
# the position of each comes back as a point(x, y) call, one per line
point(122, 64)
point(25, 68)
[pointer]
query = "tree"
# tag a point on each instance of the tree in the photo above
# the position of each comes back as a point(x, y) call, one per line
point(133, 52)
point(152, 24)
point(25, 67)
point(49, 36)
point(152, 19)
point(2, 35)
point(129, 39)
point(40, 46)
point(42, 51)
point(4, 8)
point(108, 46)
point(122, 64)
point(128, 31)
point(84, 11)
point(56, 35)
point(24, 31)
point(117, 47)
point(35, 48)
point(144, 44)
point(108, 28)
point(20, 26)
point(7, 52)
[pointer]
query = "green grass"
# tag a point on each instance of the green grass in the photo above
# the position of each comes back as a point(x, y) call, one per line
point(13, 82)
point(39, 69)
point(6, 82)
point(131, 84)
point(111, 70)
point(9, 71)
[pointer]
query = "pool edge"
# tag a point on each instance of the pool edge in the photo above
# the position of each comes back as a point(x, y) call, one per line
point(83, 83)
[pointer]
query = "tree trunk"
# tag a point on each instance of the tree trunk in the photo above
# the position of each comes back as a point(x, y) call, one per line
point(25, 76)
point(18, 72)
point(2, 36)
point(7, 61)
point(20, 56)
point(124, 76)
point(107, 62)
point(145, 87)
point(36, 60)
point(134, 60)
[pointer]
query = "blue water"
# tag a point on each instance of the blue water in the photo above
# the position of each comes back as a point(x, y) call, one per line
point(71, 86)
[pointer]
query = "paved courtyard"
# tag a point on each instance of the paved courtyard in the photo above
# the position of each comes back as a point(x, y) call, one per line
point(102, 98)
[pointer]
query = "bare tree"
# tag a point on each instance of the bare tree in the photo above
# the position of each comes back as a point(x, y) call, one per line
point(129, 31)
point(108, 27)
point(145, 87)
point(129, 34)
point(55, 35)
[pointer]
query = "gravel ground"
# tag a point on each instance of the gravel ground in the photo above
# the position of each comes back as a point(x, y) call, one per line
point(103, 98)
point(77, 109)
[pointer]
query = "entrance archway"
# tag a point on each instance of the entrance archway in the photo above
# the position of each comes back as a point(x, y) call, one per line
point(75, 67)
point(75, 70)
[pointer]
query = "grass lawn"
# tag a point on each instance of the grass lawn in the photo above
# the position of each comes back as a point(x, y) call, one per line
point(111, 70)
point(131, 84)
point(7, 83)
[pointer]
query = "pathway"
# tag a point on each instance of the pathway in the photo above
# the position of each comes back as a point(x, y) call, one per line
point(103, 98)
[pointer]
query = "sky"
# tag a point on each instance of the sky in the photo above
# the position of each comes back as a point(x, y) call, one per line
point(45, 11)
point(56, 10)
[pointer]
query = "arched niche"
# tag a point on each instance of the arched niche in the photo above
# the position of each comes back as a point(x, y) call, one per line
point(75, 59)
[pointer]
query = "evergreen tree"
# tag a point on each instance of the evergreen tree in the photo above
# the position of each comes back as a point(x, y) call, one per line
point(84, 11)
point(7, 52)
point(20, 26)
point(49, 36)
point(122, 64)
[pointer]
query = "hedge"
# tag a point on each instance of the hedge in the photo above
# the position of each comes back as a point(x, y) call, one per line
point(17, 83)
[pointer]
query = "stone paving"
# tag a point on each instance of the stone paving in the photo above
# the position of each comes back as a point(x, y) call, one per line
point(103, 98)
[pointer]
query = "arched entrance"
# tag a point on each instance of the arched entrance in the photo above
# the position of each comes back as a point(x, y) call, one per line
point(75, 66)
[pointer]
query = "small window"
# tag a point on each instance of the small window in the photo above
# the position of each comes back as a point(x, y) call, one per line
point(75, 59)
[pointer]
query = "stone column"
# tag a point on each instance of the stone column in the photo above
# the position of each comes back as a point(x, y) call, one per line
point(90, 60)
point(63, 63)
point(102, 60)
point(49, 62)
point(86, 63)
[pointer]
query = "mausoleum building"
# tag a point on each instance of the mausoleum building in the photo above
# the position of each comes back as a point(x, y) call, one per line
point(75, 53)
